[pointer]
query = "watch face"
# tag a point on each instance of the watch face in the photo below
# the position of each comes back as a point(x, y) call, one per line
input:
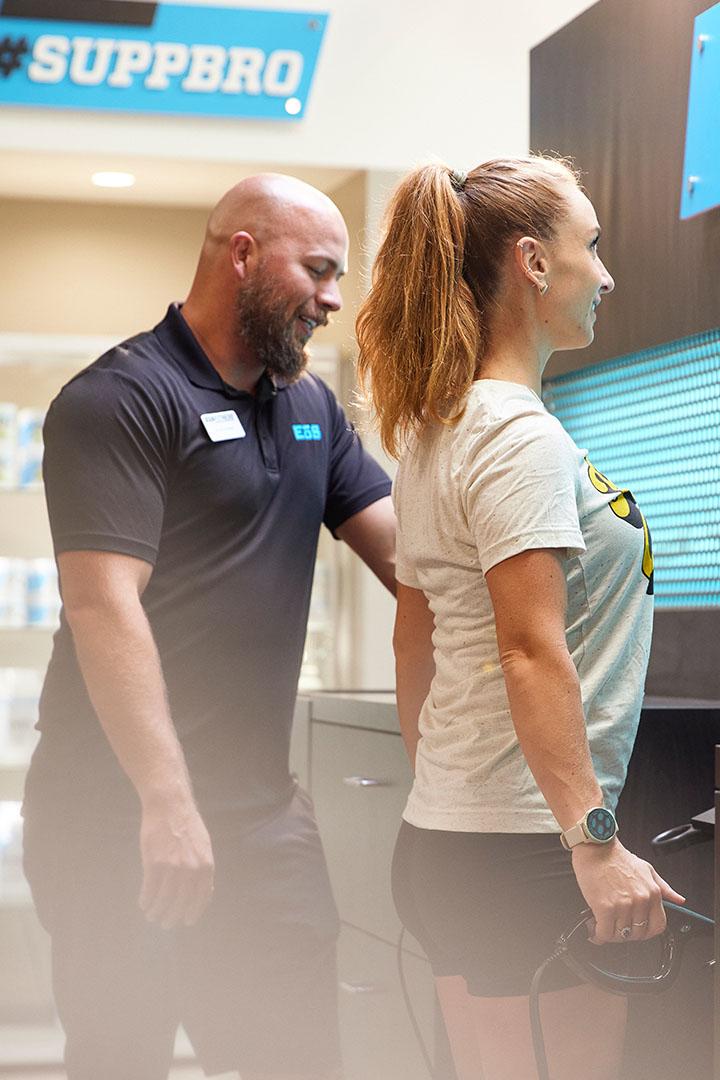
point(601, 824)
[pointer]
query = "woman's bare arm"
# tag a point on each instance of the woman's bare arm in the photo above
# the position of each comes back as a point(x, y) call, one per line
point(414, 663)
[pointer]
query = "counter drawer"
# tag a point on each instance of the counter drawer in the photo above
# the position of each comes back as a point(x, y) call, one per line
point(378, 1040)
point(360, 782)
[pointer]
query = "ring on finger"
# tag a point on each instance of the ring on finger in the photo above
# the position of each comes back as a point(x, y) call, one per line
point(643, 923)
point(625, 932)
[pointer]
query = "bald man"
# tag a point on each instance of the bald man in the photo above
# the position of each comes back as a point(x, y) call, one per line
point(172, 856)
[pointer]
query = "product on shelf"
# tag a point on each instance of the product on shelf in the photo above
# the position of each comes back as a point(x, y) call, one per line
point(42, 598)
point(28, 593)
point(19, 696)
point(13, 603)
point(29, 447)
point(8, 444)
point(21, 446)
point(12, 880)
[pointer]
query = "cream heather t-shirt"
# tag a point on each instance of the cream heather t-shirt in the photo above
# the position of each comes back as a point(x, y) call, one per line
point(508, 478)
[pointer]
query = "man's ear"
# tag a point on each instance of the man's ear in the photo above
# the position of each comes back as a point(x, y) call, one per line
point(243, 248)
point(531, 259)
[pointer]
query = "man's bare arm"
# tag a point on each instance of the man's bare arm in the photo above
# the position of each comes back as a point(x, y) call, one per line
point(371, 535)
point(120, 665)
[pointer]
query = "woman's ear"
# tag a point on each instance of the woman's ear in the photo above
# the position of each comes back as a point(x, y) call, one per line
point(531, 260)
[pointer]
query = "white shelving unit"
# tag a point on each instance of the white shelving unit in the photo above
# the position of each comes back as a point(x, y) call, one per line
point(32, 370)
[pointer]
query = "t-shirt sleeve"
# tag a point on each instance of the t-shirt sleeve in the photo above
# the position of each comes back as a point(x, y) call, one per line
point(520, 489)
point(105, 466)
point(356, 480)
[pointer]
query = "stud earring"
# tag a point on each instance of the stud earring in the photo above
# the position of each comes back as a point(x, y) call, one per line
point(543, 288)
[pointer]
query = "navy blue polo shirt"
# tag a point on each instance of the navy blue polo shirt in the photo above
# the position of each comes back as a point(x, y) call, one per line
point(230, 526)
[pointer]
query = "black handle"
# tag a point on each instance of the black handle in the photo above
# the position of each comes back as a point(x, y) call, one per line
point(682, 925)
point(682, 836)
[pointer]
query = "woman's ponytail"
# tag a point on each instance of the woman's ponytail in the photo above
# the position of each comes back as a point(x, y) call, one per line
point(419, 328)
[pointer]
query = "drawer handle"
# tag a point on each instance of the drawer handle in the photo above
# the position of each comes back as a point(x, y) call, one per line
point(358, 988)
point(363, 781)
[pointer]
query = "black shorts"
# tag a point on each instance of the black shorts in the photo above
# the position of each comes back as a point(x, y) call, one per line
point(487, 906)
point(254, 982)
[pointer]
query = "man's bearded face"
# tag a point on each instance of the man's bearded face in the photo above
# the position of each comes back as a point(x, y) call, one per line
point(269, 331)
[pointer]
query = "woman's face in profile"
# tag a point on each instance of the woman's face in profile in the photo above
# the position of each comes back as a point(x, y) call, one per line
point(576, 275)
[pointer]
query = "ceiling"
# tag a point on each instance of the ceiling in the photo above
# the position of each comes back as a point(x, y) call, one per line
point(159, 181)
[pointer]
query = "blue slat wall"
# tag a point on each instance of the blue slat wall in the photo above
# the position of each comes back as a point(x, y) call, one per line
point(651, 422)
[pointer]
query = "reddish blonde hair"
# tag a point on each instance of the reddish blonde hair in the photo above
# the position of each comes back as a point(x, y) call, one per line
point(423, 328)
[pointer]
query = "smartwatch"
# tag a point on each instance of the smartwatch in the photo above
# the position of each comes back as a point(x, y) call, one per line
point(597, 827)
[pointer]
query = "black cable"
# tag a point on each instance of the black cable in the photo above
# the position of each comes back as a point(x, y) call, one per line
point(535, 1023)
point(408, 1006)
point(683, 924)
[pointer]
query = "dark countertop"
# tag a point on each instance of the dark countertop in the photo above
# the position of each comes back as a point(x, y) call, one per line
point(376, 711)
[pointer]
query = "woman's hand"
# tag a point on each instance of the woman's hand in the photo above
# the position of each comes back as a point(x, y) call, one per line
point(623, 891)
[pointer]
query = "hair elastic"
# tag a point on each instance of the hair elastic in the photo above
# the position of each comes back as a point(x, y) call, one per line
point(458, 180)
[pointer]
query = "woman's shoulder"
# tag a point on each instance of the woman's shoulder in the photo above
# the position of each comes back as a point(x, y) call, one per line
point(504, 419)
point(495, 399)
point(498, 409)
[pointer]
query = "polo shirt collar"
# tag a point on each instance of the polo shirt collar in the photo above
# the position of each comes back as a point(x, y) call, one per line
point(184, 348)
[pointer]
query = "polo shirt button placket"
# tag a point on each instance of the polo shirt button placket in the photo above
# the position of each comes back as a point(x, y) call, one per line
point(263, 426)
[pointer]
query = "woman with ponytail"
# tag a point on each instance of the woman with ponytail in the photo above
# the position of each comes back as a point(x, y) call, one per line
point(524, 612)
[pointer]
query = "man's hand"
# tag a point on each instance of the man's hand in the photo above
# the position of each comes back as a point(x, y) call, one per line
point(178, 867)
point(624, 892)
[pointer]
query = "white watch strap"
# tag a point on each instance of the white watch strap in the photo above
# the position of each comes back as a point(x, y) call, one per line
point(573, 836)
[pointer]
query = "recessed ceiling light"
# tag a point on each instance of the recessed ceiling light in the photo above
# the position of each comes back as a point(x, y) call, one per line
point(293, 106)
point(113, 179)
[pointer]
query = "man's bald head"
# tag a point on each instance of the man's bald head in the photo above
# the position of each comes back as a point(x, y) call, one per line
point(275, 249)
point(268, 206)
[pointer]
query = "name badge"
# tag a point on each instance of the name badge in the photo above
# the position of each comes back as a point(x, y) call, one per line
point(223, 425)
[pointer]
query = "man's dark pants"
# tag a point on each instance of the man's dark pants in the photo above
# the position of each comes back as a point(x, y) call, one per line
point(254, 982)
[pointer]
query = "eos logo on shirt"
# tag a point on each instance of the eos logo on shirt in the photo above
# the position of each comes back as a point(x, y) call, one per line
point(303, 432)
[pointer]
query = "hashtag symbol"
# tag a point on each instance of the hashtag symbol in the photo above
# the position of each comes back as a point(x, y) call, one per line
point(11, 53)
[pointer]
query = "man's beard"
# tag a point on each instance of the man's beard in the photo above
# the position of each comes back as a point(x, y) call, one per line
point(264, 329)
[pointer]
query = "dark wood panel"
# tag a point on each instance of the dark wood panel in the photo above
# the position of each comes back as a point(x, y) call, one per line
point(685, 655)
point(610, 90)
point(671, 778)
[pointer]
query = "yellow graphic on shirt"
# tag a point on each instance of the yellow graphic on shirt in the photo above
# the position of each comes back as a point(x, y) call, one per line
point(625, 507)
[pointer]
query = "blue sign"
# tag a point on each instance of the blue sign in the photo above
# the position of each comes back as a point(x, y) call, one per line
point(701, 173)
point(162, 58)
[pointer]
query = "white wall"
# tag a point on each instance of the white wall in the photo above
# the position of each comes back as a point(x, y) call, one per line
point(396, 82)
